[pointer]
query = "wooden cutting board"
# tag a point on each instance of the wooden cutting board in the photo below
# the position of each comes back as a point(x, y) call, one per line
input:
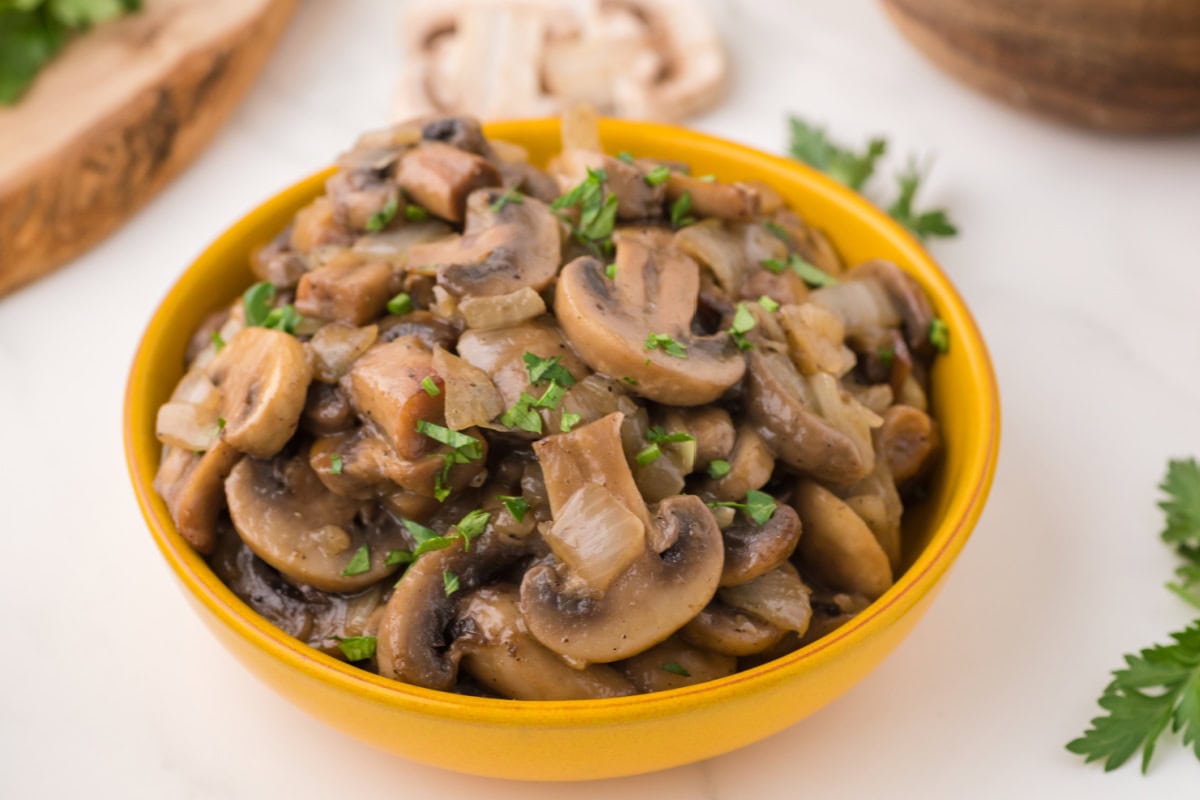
point(116, 116)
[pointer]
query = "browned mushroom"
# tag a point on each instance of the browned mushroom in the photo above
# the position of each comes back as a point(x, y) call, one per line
point(263, 378)
point(723, 629)
point(346, 289)
point(385, 386)
point(752, 550)
point(316, 226)
point(875, 500)
point(907, 441)
point(675, 663)
point(501, 354)
point(277, 263)
point(498, 651)
point(750, 467)
point(439, 177)
point(618, 326)
point(193, 486)
point(289, 519)
point(838, 544)
point(731, 201)
point(779, 597)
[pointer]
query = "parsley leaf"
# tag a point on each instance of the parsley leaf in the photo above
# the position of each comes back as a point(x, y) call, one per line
point(675, 668)
point(516, 505)
point(667, 344)
point(513, 196)
point(648, 455)
point(256, 303)
point(759, 506)
point(658, 176)
point(681, 211)
point(217, 341)
point(357, 648)
point(812, 145)
point(569, 420)
point(335, 464)
point(551, 397)
point(547, 370)
point(449, 582)
point(597, 212)
point(414, 213)
point(359, 563)
point(401, 304)
point(718, 468)
point(1158, 687)
point(658, 435)
point(383, 217)
point(625, 156)
point(811, 274)
point(925, 224)
point(743, 323)
point(1181, 485)
point(430, 386)
point(468, 446)
point(522, 415)
point(769, 303)
point(939, 335)
point(611, 271)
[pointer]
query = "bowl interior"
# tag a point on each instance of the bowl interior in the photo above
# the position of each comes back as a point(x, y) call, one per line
point(963, 397)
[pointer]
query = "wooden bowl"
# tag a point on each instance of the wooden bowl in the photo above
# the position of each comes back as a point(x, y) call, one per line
point(584, 739)
point(1131, 66)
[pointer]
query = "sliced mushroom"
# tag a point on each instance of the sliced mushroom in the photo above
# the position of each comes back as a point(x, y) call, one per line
point(779, 403)
point(752, 550)
point(875, 500)
point(778, 597)
point(816, 340)
point(501, 354)
point(507, 244)
point(830, 612)
point(278, 263)
point(316, 226)
point(751, 465)
point(497, 650)
point(439, 177)
point(346, 289)
point(385, 386)
point(675, 663)
point(289, 519)
point(878, 294)
point(732, 201)
point(636, 197)
point(654, 293)
point(652, 599)
point(327, 410)
point(723, 629)
point(415, 638)
point(361, 193)
point(838, 544)
point(907, 442)
point(192, 484)
point(711, 427)
point(263, 377)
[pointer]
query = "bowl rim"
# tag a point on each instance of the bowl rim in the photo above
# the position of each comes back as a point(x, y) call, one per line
point(914, 584)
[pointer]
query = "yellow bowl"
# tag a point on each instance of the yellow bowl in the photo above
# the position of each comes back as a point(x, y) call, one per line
point(584, 739)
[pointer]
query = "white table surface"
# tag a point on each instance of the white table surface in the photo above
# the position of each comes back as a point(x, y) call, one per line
point(1078, 255)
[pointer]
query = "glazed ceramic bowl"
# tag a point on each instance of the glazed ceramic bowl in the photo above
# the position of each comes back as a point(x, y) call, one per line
point(591, 738)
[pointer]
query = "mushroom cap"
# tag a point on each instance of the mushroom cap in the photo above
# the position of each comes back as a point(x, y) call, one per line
point(655, 597)
point(675, 663)
point(752, 550)
point(193, 486)
point(506, 245)
point(907, 441)
point(724, 629)
point(263, 378)
point(498, 651)
point(654, 292)
point(751, 465)
point(289, 519)
point(838, 544)
point(796, 434)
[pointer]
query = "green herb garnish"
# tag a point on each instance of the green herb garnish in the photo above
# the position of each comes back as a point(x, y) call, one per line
point(516, 505)
point(468, 446)
point(414, 213)
point(449, 582)
point(718, 468)
point(513, 196)
point(923, 224)
point(661, 341)
point(547, 370)
point(676, 669)
point(522, 415)
point(430, 386)
point(658, 176)
point(597, 212)
point(625, 156)
point(551, 397)
point(383, 217)
point(335, 464)
point(359, 563)
point(611, 271)
point(743, 323)
point(768, 303)
point(400, 305)
point(217, 341)
point(648, 455)
point(759, 506)
point(811, 145)
point(681, 211)
point(256, 303)
point(357, 648)
point(939, 335)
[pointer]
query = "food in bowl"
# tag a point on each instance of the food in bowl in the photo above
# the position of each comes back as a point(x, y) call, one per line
point(603, 429)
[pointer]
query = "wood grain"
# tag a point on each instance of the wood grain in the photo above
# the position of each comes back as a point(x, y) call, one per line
point(1119, 65)
point(115, 117)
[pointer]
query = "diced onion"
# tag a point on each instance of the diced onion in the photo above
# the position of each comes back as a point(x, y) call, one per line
point(471, 397)
point(815, 339)
point(335, 346)
point(716, 248)
point(841, 410)
point(187, 425)
point(861, 305)
point(596, 536)
point(501, 311)
point(393, 244)
point(778, 597)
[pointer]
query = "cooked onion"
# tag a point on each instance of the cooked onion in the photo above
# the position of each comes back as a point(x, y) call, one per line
point(187, 425)
point(335, 346)
point(471, 397)
point(596, 536)
point(778, 597)
point(500, 311)
point(815, 338)
point(393, 244)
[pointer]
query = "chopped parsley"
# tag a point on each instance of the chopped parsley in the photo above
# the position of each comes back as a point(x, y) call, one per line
point(468, 446)
point(336, 464)
point(811, 274)
point(939, 335)
point(513, 196)
point(611, 271)
point(768, 303)
point(256, 303)
point(759, 506)
point(415, 213)
point(676, 669)
point(597, 212)
point(359, 563)
point(430, 386)
point(661, 341)
point(449, 582)
point(778, 231)
point(625, 156)
point(522, 415)
point(357, 648)
point(743, 323)
point(220, 423)
point(718, 468)
point(383, 217)
point(401, 304)
point(217, 341)
point(469, 528)
point(517, 506)
point(681, 211)
point(632, 381)
point(569, 420)
point(547, 370)
point(658, 176)
point(659, 435)
point(648, 455)
point(886, 356)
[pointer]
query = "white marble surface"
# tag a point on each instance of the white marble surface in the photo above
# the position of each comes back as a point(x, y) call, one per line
point(1078, 255)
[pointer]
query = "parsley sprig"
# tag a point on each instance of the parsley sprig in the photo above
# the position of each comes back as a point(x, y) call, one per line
point(597, 212)
point(759, 506)
point(811, 144)
point(1160, 686)
point(469, 528)
point(258, 311)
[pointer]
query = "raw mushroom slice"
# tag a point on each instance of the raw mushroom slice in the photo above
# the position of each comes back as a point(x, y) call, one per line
point(838, 544)
point(653, 293)
point(263, 378)
point(498, 651)
point(508, 243)
point(192, 484)
point(289, 519)
point(675, 663)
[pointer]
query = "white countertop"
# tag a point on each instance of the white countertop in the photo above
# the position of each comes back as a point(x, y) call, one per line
point(1078, 255)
